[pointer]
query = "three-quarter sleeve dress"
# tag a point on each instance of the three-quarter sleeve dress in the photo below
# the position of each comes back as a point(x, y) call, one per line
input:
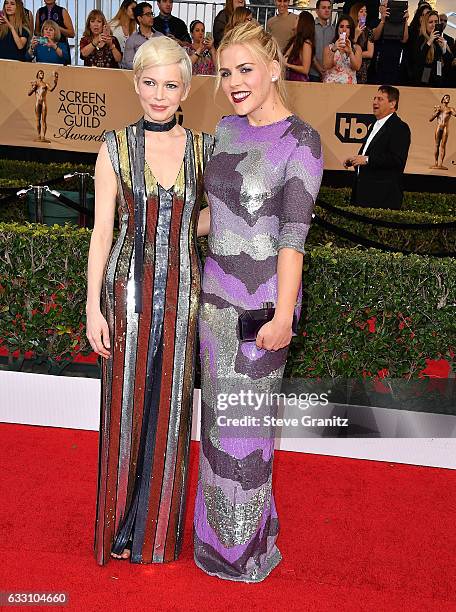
point(262, 183)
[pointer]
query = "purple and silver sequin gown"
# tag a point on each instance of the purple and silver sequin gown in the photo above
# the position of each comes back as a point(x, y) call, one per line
point(262, 183)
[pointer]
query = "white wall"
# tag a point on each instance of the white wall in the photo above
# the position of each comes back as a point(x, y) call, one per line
point(64, 401)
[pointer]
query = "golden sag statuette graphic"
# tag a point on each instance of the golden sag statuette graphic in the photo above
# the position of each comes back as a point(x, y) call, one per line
point(40, 88)
point(443, 113)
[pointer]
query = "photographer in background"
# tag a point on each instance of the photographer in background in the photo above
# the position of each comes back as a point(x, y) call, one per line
point(388, 49)
point(201, 51)
point(380, 164)
point(372, 7)
point(431, 56)
point(343, 57)
point(14, 32)
point(47, 48)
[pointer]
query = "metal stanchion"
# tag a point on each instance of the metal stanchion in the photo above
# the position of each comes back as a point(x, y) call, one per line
point(38, 194)
point(83, 176)
point(38, 191)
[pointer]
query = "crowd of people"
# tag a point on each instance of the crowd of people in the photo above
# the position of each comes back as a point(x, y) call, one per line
point(367, 44)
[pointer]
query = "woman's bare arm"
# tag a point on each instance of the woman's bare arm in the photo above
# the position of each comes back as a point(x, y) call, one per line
point(204, 222)
point(289, 276)
point(100, 246)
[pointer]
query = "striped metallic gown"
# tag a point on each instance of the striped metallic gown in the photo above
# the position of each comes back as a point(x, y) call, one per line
point(150, 299)
point(262, 183)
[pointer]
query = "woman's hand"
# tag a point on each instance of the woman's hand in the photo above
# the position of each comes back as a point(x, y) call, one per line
point(5, 19)
point(442, 43)
point(208, 43)
point(339, 45)
point(384, 13)
point(107, 39)
point(348, 47)
point(359, 30)
point(98, 333)
point(34, 42)
point(52, 44)
point(274, 335)
point(433, 36)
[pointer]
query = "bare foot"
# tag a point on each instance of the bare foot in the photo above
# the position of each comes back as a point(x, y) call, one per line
point(124, 555)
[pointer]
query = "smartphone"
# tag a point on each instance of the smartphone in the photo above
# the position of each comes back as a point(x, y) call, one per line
point(439, 28)
point(343, 37)
point(208, 35)
point(2, 14)
point(362, 21)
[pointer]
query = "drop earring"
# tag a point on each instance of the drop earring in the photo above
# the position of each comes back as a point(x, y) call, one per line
point(274, 79)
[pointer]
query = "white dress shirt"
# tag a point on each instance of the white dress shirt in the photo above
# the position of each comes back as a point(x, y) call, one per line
point(377, 126)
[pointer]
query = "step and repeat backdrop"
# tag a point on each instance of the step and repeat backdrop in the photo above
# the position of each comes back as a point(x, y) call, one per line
point(71, 107)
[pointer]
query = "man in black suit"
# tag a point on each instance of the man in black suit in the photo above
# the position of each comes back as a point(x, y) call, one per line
point(449, 69)
point(443, 19)
point(380, 164)
point(169, 25)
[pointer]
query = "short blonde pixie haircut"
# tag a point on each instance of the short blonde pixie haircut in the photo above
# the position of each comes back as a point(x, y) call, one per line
point(263, 46)
point(162, 51)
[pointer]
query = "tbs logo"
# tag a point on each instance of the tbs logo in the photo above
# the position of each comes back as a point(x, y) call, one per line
point(352, 127)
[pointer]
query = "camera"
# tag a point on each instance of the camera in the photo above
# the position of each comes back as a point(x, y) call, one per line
point(42, 40)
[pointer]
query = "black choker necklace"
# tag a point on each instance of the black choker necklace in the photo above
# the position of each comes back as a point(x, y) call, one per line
point(150, 126)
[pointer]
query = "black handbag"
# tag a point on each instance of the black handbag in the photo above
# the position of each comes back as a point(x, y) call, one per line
point(251, 321)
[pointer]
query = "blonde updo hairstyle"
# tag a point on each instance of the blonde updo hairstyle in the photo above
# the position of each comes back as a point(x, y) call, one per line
point(162, 51)
point(262, 45)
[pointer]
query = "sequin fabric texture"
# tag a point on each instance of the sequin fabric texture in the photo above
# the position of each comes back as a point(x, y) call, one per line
point(147, 383)
point(262, 183)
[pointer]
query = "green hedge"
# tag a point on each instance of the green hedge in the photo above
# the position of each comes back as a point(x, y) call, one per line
point(42, 291)
point(369, 312)
point(365, 311)
point(416, 241)
point(435, 203)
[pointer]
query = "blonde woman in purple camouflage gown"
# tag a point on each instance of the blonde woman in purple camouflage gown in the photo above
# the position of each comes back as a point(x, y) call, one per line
point(262, 181)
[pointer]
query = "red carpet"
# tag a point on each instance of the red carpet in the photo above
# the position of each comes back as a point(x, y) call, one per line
point(355, 535)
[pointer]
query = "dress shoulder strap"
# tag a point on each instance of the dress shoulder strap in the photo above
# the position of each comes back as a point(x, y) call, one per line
point(113, 150)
